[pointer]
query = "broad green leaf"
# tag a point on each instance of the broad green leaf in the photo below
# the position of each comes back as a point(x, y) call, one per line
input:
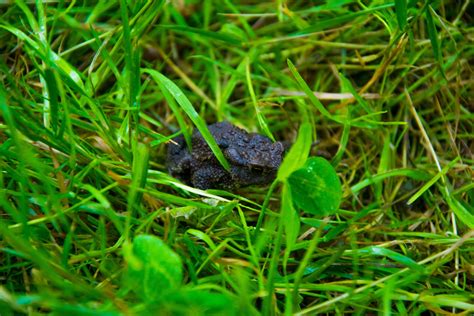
point(153, 267)
point(298, 153)
point(188, 108)
point(316, 188)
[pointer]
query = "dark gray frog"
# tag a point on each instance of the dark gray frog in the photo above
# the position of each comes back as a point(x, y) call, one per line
point(254, 159)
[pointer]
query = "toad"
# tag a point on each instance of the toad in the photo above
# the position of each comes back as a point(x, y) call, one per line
point(253, 158)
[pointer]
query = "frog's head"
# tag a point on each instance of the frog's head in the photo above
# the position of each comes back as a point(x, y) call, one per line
point(259, 156)
point(266, 159)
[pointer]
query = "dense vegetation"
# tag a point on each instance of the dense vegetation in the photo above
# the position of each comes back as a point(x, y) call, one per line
point(91, 223)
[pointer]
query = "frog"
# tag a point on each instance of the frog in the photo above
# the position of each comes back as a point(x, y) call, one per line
point(254, 159)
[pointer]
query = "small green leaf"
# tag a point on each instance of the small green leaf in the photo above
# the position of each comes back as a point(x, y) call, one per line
point(153, 267)
point(316, 188)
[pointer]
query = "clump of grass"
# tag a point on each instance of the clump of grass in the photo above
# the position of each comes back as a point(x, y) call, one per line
point(91, 93)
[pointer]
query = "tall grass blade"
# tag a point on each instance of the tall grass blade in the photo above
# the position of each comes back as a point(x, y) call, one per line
point(187, 107)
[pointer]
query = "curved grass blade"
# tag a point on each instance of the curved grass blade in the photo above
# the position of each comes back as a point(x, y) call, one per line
point(261, 119)
point(333, 22)
point(179, 116)
point(139, 176)
point(62, 65)
point(395, 256)
point(188, 108)
point(225, 38)
point(292, 221)
point(414, 174)
point(464, 212)
point(428, 184)
point(348, 86)
point(309, 93)
point(433, 35)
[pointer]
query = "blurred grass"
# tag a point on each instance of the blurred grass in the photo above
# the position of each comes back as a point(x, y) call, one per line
point(90, 92)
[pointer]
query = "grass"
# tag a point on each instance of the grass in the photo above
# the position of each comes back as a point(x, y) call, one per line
point(92, 224)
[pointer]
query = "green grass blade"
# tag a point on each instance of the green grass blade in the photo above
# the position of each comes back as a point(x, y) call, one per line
point(178, 114)
point(139, 178)
point(411, 173)
point(304, 86)
point(204, 34)
point(261, 119)
point(85, 120)
point(395, 256)
point(464, 212)
point(342, 144)
point(433, 35)
point(347, 85)
point(430, 183)
point(191, 112)
point(292, 222)
point(52, 97)
point(333, 22)
point(401, 11)
point(131, 68)
point(298, 153)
